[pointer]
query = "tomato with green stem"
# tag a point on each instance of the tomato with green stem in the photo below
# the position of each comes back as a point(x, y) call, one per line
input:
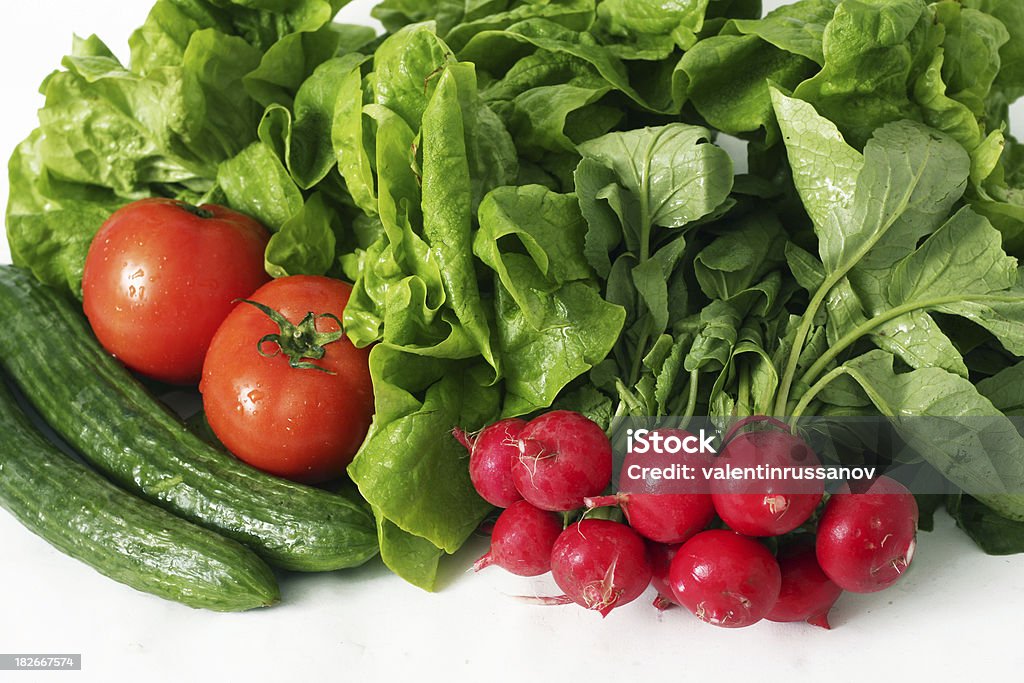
point(283, 388)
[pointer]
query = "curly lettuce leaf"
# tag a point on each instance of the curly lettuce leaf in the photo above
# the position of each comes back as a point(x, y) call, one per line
point(552, 324)
point(649, 29)
point(173, 122)
point(453, 347)
point(728, 77)
point(50, 222)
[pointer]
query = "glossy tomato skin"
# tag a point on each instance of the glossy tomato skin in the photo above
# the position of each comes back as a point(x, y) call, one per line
point(160, 277)
point(301, 424)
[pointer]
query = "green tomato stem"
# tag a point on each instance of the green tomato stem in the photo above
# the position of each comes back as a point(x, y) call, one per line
point(301, 343)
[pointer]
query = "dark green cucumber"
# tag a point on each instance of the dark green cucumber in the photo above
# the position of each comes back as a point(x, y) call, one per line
point(85, 516)
point(105, 414)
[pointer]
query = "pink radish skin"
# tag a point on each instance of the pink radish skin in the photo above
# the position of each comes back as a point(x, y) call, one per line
point(660, 556)
point(600, 565)
point(636, 477)
point(666, 518)
point(666, 511)
point(763, 507)
point(522, 540)
point(866, 540)
point(491, 454)
point(725, 579)
point(806, 594)
point(563, 458)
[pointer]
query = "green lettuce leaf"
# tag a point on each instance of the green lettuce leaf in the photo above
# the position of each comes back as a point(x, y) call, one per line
point(302, 135)
point(174, 122)
point(305, 244)
point(453, 348)
point(294, 58)
point(412, 557)
point(255, 182)
point(728, 77)
point(552, 323)
point(649, 29)
point(410, 468)
point(50, 222)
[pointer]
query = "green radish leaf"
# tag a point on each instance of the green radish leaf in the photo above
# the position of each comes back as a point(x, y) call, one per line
point(1005, 389)
point(672, 176)
point(994, 533)
point(806, 268)
point(983, 460)
point(873, 235)
point(717, 335)
point(825, 169)
point(749, 250)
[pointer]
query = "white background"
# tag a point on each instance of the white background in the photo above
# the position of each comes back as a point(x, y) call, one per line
point(955, 614)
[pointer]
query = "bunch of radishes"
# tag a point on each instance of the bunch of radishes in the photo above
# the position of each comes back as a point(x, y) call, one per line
point(542, 470)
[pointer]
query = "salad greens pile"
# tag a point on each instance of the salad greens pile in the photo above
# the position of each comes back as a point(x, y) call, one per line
point(529, 199)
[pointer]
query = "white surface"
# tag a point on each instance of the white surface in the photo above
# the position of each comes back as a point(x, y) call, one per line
point(955, 614)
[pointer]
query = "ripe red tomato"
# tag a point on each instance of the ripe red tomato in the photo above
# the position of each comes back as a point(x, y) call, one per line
point(161, 276)
point(301, 416)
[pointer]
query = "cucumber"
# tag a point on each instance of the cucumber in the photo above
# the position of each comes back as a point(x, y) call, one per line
point(85, 516)
point(105, 414)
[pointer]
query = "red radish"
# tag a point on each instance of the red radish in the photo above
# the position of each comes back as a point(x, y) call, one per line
point(662, 510)
point(763, 506)
point(522, 540)
point(600, 565)
point(563, 457)
point(666, 518)
point(491, 454)
point(866, 539)
point(660, 557)
point(806, 594)
point(725, 579)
